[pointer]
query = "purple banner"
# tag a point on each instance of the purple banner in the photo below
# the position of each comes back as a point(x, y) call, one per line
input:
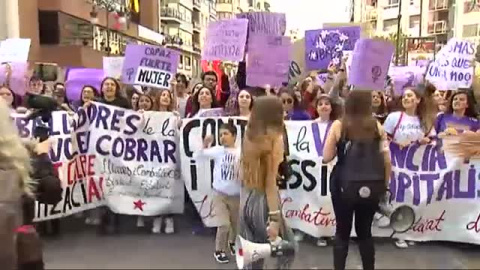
point(323, 46)
point(225, 40)
point(265, 23)
point(148, 65)
point(268, 60)
point(370, 62)
point(79, 77)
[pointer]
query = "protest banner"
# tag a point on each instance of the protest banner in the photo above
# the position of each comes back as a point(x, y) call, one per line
point(210, 112)
point(112, 66)
point(268, 60)
point(370, 63)
point(15, 50)
point(322, 79)
point(265, 23)
point(81, 191)
point(225, 40)
point(110, 156)
point(442, 191)
point(77, 78)
point(453, 66)
point(136, 157)
point(149, 65)
point(326, 45)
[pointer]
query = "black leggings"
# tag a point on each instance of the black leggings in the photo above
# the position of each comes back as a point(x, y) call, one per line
point(364, 211)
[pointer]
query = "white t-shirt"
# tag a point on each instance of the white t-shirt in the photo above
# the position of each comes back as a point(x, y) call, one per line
point(225, 173)
point(409, 129)
point(181, 105)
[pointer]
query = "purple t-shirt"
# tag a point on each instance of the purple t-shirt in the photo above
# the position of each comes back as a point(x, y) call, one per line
point(460, 124)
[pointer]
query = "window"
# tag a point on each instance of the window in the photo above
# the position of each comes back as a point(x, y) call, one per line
point(180, 62)
point(188, 63)
point(389, 25)
point(471, 30)
point(414, 21)
point(392, 3)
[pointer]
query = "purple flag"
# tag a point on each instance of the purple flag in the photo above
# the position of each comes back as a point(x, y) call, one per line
point(225, 40)
point(268, 60)
point(149, 65)
point(265, 23)
point(323, 46)
point(370, 62)
point(79, 77)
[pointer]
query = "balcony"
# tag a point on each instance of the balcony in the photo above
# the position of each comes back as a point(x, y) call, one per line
point(197, 27)
point(438, 5)
point(171, 15)
point(438, 27)
point(197, 4)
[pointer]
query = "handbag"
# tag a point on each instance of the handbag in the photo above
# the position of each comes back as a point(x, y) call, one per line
point(29, 245)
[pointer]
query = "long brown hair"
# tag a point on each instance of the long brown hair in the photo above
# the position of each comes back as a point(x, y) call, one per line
point(358, 122)
point(264, 129)
point(425, 110)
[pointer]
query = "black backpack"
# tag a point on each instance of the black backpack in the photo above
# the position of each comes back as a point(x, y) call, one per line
point(361, 169)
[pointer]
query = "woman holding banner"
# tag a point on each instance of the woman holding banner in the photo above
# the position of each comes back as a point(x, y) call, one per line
point(414, 124)
point(261, 218)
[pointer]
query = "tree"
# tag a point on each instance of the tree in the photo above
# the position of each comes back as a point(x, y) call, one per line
point(392, 37)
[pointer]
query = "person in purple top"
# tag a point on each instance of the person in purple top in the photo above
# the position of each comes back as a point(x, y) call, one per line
point(459, 117)
point(292, 107)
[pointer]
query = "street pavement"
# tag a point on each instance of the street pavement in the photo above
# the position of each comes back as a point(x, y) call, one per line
point(80, 247)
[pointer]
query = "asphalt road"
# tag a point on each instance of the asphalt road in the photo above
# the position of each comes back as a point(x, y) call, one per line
point(79, 247)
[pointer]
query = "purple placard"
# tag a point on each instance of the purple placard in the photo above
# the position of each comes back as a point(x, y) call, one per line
point(149, 65)
point(18, 76)
point(79, 77)
point(225, 40)
point(323, 46)
point(370, 63)
point(210, 112)
point(406, 76)
point(265, 23)
point(268, 60)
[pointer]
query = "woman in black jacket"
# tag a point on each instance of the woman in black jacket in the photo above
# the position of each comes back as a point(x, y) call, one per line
point(47, 189)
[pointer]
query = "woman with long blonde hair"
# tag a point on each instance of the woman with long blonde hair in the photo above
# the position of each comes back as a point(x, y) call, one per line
point(262, 152)
point(14, 184)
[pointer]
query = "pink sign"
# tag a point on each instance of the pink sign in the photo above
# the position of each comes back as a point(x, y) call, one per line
point(268, 60)
point(370, 62)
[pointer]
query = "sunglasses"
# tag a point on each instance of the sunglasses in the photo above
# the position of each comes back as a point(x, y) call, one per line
point(287, 101)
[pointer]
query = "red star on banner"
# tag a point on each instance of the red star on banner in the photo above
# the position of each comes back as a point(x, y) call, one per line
point(139, 204)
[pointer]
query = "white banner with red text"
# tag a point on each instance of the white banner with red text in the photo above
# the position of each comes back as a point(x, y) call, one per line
point(106, 155)
point(441, 188)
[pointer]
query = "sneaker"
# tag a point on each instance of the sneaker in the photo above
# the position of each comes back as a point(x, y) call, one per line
point(140, 222)
point(232, 248)
point(157, 225)
point(221, 257)
point(169, 226)
point(401, 244)
point(299, 236)
point(322, 242)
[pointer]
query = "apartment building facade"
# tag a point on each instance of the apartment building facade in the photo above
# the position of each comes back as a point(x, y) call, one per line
point(419, 17)
point(226, 9)
point(184, 24)
point(466, 20)
point(62, 31)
